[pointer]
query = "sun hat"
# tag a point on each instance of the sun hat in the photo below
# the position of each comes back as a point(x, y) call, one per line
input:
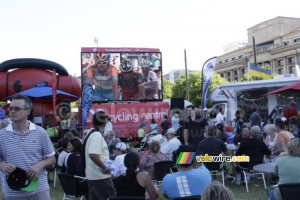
point(18, 180)
point(121, 145)
point(171, 130)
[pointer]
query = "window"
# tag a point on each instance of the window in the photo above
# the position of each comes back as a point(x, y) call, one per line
point(226, 60)
point(280, 71)
point(243, 71)
point(297, 40)
point(280, 62)
point(220, 62)
point(241, 56)
point(236, 79)
point(228, 73)
point(292, 60)
point(235, 72)
point(222, 75)
point(229, 80)
point(292, 70)
point(233, 58)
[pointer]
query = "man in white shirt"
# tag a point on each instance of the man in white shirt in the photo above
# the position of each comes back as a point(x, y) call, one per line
point(172, 144)
point(220, 116)
point(120, 152)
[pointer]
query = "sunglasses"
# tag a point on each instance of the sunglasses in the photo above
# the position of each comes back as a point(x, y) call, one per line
point(102, 62)
point(146, 68)
point(16, 109)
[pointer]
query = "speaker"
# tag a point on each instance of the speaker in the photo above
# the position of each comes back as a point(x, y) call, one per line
point(177, 103)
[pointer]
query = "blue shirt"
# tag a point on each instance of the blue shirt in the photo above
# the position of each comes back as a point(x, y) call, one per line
point(188, 183)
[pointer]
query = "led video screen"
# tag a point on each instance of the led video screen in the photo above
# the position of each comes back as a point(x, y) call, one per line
point(123, 76)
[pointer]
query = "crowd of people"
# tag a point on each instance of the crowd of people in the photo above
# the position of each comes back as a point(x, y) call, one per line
point(27, 146)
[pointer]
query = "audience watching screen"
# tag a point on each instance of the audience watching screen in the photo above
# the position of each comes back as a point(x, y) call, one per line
point(123, 76)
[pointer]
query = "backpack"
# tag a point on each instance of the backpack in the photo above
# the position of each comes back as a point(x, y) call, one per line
point(80, 167)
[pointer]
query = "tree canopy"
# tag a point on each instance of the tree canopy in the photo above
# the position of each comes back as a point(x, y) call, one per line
point(195, 81)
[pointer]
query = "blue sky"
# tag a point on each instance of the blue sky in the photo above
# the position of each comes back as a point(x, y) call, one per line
point(57, 29)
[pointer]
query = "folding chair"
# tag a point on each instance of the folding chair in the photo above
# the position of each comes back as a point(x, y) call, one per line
point(73, 186)
point(215, 167)
point(255, 159)
point(54, 169)
point(161, 169)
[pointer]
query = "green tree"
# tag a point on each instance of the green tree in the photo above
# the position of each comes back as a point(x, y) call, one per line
point(195, 81)
point(167, 89)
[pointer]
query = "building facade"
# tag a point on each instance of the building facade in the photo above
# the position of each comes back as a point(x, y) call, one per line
point(277, 45)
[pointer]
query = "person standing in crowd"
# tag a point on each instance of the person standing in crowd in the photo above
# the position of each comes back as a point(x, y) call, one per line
point(153, 126)
point(290, 112)
point(255, 118)
point(278, 114)
point(194, 128)
point(96, 153)
point(239, 114)
point(175, 121)
point(180, 131)
point(187, 181)
point(18, 150)
point(130, 82)
point(220, 116)
point(165, 125)
point(104, 77)
point(205, 114)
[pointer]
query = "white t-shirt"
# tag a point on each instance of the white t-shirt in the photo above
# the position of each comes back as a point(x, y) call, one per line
point(119, 165)
point(220, 118)
point(170, 146)
point(95, 145)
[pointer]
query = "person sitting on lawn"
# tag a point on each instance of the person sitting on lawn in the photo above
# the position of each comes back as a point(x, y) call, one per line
point(120, 152)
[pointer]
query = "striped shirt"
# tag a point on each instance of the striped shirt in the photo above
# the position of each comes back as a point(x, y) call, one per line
point(24, 151)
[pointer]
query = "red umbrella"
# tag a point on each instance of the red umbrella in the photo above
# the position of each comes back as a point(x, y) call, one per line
point(293, 87)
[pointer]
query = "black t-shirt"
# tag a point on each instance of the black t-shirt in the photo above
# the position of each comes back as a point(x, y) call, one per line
point(165, 124)
point(195, 129)
point(211, 145)
point(253, 146)
point(239, 139)
point(180, 135)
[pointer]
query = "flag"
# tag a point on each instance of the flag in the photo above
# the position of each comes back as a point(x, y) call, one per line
point(208, 71)
point(54, 88)
point(185, 158)
point(257, 72)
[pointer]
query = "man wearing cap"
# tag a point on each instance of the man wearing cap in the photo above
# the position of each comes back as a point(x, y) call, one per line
point(172, 144)
point(96, 154)
point(252, 146)
point(187, 181)
point(290, 112)
point(205, 113)
point(278, 114)
point(26, 146)
point(120, 152)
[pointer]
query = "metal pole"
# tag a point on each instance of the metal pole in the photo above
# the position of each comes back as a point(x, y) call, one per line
point(254, 51)
point(186, 78)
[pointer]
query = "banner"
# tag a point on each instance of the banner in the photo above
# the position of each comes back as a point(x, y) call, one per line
point(126, 118)
point(208, 71)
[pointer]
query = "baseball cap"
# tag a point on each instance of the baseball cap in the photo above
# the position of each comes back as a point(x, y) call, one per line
point(292, 104)
point(283, 119)
point(279, 108)
point(2, 114)
point(220, 109)
point(205, 109)
point(121, 145)
point(220, 126)
point(171, 130)
point(18, 180)
point(228, 128)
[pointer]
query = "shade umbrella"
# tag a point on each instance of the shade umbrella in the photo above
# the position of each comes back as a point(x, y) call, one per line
point(41, 91)
point(292, 87)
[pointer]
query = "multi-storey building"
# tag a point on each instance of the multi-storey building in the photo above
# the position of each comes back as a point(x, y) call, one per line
point(277, 44)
